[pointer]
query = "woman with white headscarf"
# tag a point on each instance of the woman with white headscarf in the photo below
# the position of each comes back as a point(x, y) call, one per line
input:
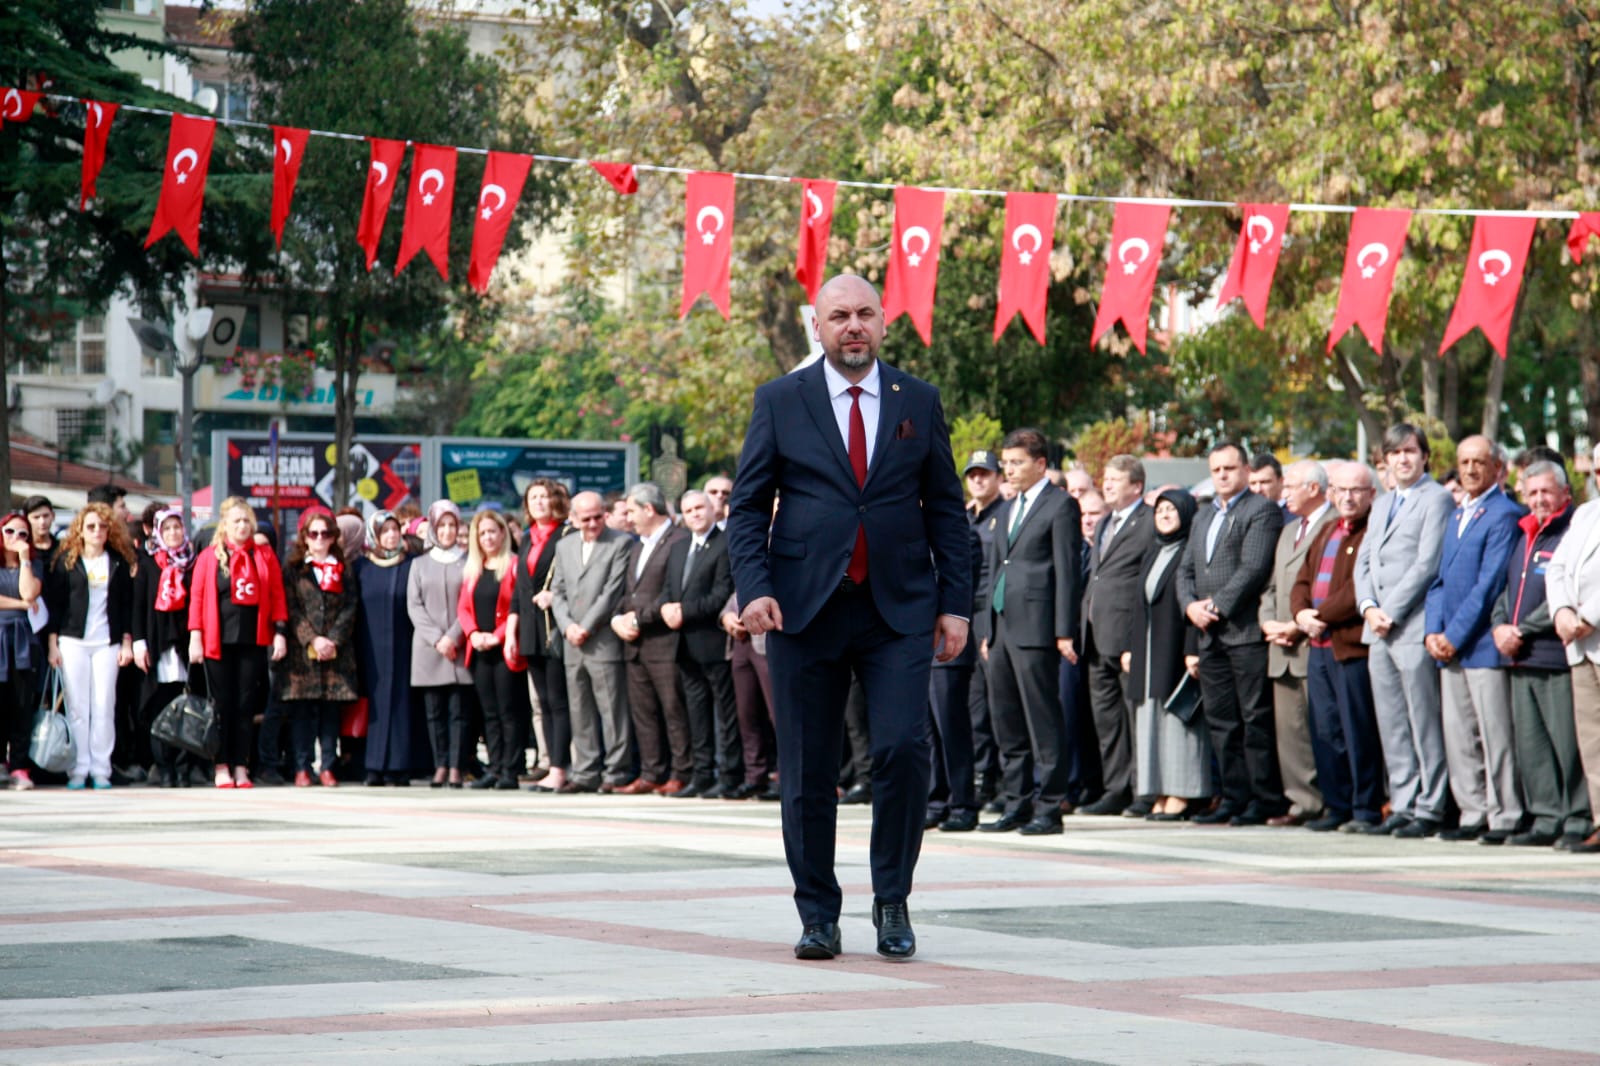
point(395, 744)
point(438, 649)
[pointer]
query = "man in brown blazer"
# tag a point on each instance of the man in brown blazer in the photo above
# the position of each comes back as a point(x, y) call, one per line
point(1305, 494)
point(650, 650)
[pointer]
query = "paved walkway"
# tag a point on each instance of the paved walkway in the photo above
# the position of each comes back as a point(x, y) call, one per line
point(417, 926)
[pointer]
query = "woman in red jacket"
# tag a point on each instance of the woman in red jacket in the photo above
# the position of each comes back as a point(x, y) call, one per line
point(236, 613)
point(482, 608)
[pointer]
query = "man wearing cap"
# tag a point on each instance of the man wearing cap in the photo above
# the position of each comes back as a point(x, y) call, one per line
point(982, 475)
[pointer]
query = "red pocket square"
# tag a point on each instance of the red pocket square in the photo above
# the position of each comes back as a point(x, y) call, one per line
point(905, 430)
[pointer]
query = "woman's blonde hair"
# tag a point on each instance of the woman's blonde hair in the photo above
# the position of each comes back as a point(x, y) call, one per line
point(117, 536)
point(219, 539)
point(476, 563)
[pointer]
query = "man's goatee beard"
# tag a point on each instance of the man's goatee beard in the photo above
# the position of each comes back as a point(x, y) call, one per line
point(857, 360)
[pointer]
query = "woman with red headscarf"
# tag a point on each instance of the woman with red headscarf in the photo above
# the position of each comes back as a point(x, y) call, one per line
point(161, 630)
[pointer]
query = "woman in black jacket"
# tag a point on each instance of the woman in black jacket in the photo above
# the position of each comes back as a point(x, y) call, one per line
point(161, 632)
point(90, 595)
point(545, 505)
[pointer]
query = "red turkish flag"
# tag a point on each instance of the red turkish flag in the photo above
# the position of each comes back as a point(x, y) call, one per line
point(382, 173)
point(97, 118)
point(1137, 234)
point(914, 258)
point(1584, 226)
point(707, 239)
point(1025, 260)
point(502, 185)
point(17, 105)
point(288, 152)
point(1488, 296)
point(620, 175)
point(183, 183)
point(1377, 237)
point(1255, 258)
point(816, 222)
point(427, 226)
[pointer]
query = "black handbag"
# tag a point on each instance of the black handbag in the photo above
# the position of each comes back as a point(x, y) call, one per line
point(189, 722)
point(1184, 703)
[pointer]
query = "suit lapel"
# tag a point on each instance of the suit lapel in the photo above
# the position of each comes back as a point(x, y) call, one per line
point(814, 393)
point(1046, 490)
point(891, 407)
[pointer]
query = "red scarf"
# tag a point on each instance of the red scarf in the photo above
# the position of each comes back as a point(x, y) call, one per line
point(329, 572)
point(170, 593)
point(246, 574)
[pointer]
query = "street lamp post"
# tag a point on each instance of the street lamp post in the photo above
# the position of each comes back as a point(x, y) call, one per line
point(188, 363)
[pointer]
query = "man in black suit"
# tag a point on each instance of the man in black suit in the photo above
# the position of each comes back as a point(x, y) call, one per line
point(1225, 566)
point(1034, 599)
point(863, 570)
point(982, 476)
point(650, 651)
point(1112, 617)
point(952, 802)
point(698, 584)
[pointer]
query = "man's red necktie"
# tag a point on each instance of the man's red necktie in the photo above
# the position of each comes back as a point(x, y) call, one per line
point(857, 571)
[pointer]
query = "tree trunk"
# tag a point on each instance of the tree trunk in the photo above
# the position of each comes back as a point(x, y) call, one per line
point(1452, 394)
point(346, 375)
point(1358, 401)
point(1432, 402)
point(780, 323)
point(5, 387)
point(1492, 392)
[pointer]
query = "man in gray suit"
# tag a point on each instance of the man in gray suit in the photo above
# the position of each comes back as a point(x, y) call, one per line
point(1305, 493)
point(587, 579)
point(1226, 564)
point(1398, 561)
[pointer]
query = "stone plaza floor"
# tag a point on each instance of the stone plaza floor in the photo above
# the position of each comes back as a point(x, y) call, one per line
point(407, 926)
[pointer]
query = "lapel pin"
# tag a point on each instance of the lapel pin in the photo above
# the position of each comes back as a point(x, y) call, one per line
point(896, 388)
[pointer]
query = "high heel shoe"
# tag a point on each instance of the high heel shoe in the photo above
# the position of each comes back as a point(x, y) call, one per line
point(438, 778)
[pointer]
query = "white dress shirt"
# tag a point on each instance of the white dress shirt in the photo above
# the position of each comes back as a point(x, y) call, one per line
point(649, 543)
point(839, 396)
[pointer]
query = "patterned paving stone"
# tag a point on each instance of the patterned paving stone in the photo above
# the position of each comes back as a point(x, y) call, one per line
point(570, 861)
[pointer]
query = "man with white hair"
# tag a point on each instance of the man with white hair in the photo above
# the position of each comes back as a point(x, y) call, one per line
point(1572, 590)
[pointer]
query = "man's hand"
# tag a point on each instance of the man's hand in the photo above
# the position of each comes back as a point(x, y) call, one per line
point(949, 637)
point(447, 648)
point(1202, 613)
point(326, 650)
point(1191, 663)
point(1068, 652)
point(623, 625)
point(672, 615)
point(983, 650)
point(762, 615)
point(1378, 620)
point(543, 599)
point(1570, 626)
point(1439, 647)
point(1507, 640)
point(1127, 662)
point(576, 635)
point(733, 627)
point(1311, 622)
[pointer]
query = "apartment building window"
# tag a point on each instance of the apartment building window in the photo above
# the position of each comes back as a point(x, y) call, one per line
point(233, 98)
point(82, 352)
point(80, 425)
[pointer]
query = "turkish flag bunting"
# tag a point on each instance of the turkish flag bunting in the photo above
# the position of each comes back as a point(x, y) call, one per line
point(427, 226)
point(382, 173)
point(1255, 258)
point(914, 258)
point(816, 222)
point(1488, 296)
point(1137, 234)
point(183, 183)
point(1584, 226)
point(1377, 236)
point(288, 152)
point(96, 127)
point(1025, 260)
point(503, 179)
point(620, 175)
point(18, 105)
point(707, 239)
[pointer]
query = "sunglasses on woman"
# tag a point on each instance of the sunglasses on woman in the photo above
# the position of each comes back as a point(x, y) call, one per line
point(319, 534)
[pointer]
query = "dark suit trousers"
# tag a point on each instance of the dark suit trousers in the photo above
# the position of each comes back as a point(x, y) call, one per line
point(1238, 710)
point(985, 756)
point(752, 698)
point(713, 722)
point(1113, 719)
point(1344, 736)
point(653, 701)
point(1025, 707)
point(857, 764)
point(952, 787)
point(549, 677)
point(811, 672)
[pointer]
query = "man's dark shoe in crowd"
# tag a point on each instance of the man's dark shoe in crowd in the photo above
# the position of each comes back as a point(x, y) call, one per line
point(932, 819)
point(1046, 824)
point(507, 784)
point(1141, 806)
point(994, 806)
point(572, 788)
point(1006, 823)
point(269, 776)
point(818, 942)
point(1251, 815)
point(1461, 834)
point(1496, 837)
point(959, 822)
point(857, 794)
point(1533, 839)
point(1421, 828)
point(1221, 814)
point(895, 938)
point(1569, 842)
point(1112, 803)
point(1392, 824)
point(1330, 821)
point(487, 781)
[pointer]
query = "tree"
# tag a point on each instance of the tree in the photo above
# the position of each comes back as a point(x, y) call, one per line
point(367, 66)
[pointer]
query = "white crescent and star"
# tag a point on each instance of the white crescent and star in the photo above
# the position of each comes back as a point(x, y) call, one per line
point(500, 199)
point(1128, 267)
point(708, 211)
point(99, 114)
point(915, 258)
point(1361, 258)
point(194, 160)
point(1494, 255)
point(383, 172)
point(422, 184)
point(13, 97)
point(1256, 243)
point(288, 150)
point(816, 206)
point(1027, 229)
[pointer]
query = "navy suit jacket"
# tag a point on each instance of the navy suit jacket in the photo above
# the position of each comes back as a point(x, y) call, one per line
point(918, 564)
point(1472, 573)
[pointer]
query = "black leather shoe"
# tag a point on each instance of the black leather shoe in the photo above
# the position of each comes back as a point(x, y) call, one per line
point(1327, 823)
point(1041, 825)
point(1392, 824)
point(1497, 836)
point(932, 820)
point(1534, 839)
point(1251, 815)
point(818, 942)
point(748, 790)
point(1221, 815)
point(507, 784)
point(770, 794)
point(1420, 828)
point(994, 806)
point(967, 821)
point(1461, 834)
point(895, 938)
point(1111, 803)
point(572, 787)
point(689, 791)
point(1569, 842)
point(1006, 823)
point(857, 794)
point(717, 791)
point(486, 781)
point(1139, 808)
